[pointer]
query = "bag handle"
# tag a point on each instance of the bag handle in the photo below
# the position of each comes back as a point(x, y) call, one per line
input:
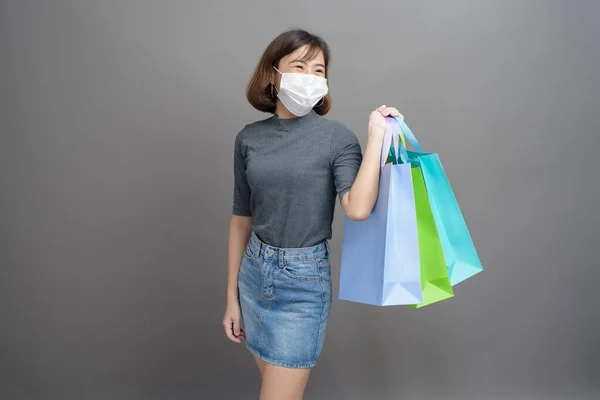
point(390, 138)
point(394, 133)
point(409, 135)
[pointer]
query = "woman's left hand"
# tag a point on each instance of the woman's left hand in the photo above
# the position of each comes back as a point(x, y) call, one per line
point(377, 122)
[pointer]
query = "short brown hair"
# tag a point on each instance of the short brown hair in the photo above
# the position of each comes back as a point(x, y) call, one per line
point(260, 92)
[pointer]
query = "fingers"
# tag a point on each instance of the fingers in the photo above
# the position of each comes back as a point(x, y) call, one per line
point(391, 111)
point(387, 111)
point(237, 330)
point(228, 325)
point(233, 331)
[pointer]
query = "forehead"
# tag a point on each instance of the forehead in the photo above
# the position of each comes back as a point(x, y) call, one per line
point(301, 53)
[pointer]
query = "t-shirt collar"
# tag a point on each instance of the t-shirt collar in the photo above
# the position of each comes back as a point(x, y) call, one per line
point(296, 122)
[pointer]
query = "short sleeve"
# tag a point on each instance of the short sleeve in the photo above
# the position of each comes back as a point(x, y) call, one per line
point(241, 189)
point(346, 157)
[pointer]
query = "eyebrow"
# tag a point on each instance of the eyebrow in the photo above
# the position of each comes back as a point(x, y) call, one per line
point(304, 62)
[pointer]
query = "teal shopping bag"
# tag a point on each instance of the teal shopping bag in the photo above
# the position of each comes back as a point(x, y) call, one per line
point(459, 251)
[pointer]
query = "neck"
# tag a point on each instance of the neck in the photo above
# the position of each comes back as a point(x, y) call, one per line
point(283, 112)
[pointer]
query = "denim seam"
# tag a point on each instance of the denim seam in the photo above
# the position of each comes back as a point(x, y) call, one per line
point(306, 278)
point(255, 351)
point(263, 278)
point(322, 310)
point(262, 325)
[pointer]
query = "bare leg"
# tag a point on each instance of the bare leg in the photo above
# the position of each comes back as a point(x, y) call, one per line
point(261, 365)
point(280, 383)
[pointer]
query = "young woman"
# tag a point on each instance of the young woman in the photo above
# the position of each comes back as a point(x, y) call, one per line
point(288, 170)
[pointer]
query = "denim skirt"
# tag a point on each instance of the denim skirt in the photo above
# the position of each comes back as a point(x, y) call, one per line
point(285, 299)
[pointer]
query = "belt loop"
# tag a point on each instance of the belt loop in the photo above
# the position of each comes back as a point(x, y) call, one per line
point(327, 246)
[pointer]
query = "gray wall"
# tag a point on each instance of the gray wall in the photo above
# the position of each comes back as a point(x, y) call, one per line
point(117, 125)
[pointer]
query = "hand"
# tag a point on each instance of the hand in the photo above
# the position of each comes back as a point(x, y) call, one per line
point(377, 122)
point(231, 323)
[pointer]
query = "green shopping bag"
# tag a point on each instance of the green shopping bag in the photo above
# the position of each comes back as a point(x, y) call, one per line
point(435, 282)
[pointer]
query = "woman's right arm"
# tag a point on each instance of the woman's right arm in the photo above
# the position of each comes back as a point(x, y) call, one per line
point(239, 234)
point(240, 229)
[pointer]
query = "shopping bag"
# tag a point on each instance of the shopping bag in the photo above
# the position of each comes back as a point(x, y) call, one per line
point(435, 282)
point(380, 255)
point(462, 260)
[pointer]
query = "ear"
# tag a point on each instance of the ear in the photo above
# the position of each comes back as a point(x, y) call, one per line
point(273, 80)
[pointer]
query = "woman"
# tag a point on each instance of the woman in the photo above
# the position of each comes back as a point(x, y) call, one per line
point(288, 170)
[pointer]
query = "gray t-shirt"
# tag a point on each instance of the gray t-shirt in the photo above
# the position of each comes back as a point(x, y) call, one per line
point(287, 173)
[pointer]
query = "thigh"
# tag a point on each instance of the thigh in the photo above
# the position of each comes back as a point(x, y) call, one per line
point(261, 365)
point(281, 383)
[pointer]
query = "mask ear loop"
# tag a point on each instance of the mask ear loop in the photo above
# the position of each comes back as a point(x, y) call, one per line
point(273, 85)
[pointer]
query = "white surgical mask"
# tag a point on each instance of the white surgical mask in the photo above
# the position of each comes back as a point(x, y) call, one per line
point(299, 93)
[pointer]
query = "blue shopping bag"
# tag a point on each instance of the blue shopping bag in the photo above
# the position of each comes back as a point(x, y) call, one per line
point(380, 255)
point(457, 245)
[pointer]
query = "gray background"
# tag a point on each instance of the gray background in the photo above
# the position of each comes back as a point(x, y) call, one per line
point(117, 125)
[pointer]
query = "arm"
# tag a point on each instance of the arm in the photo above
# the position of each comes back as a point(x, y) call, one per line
point(239, 234)
point(359, 201)
point(240, 228)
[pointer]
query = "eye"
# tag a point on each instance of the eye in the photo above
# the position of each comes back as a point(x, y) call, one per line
point(299, 67)
point(320, 71)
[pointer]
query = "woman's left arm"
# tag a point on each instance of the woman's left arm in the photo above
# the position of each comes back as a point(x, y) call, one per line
point(359, 201)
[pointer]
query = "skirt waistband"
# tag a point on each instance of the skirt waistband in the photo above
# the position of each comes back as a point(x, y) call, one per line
point(258, 248)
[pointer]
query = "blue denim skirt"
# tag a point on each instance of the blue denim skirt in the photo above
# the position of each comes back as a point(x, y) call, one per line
point(285, 299)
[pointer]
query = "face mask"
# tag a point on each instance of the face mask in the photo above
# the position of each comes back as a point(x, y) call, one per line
point(299, 93)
